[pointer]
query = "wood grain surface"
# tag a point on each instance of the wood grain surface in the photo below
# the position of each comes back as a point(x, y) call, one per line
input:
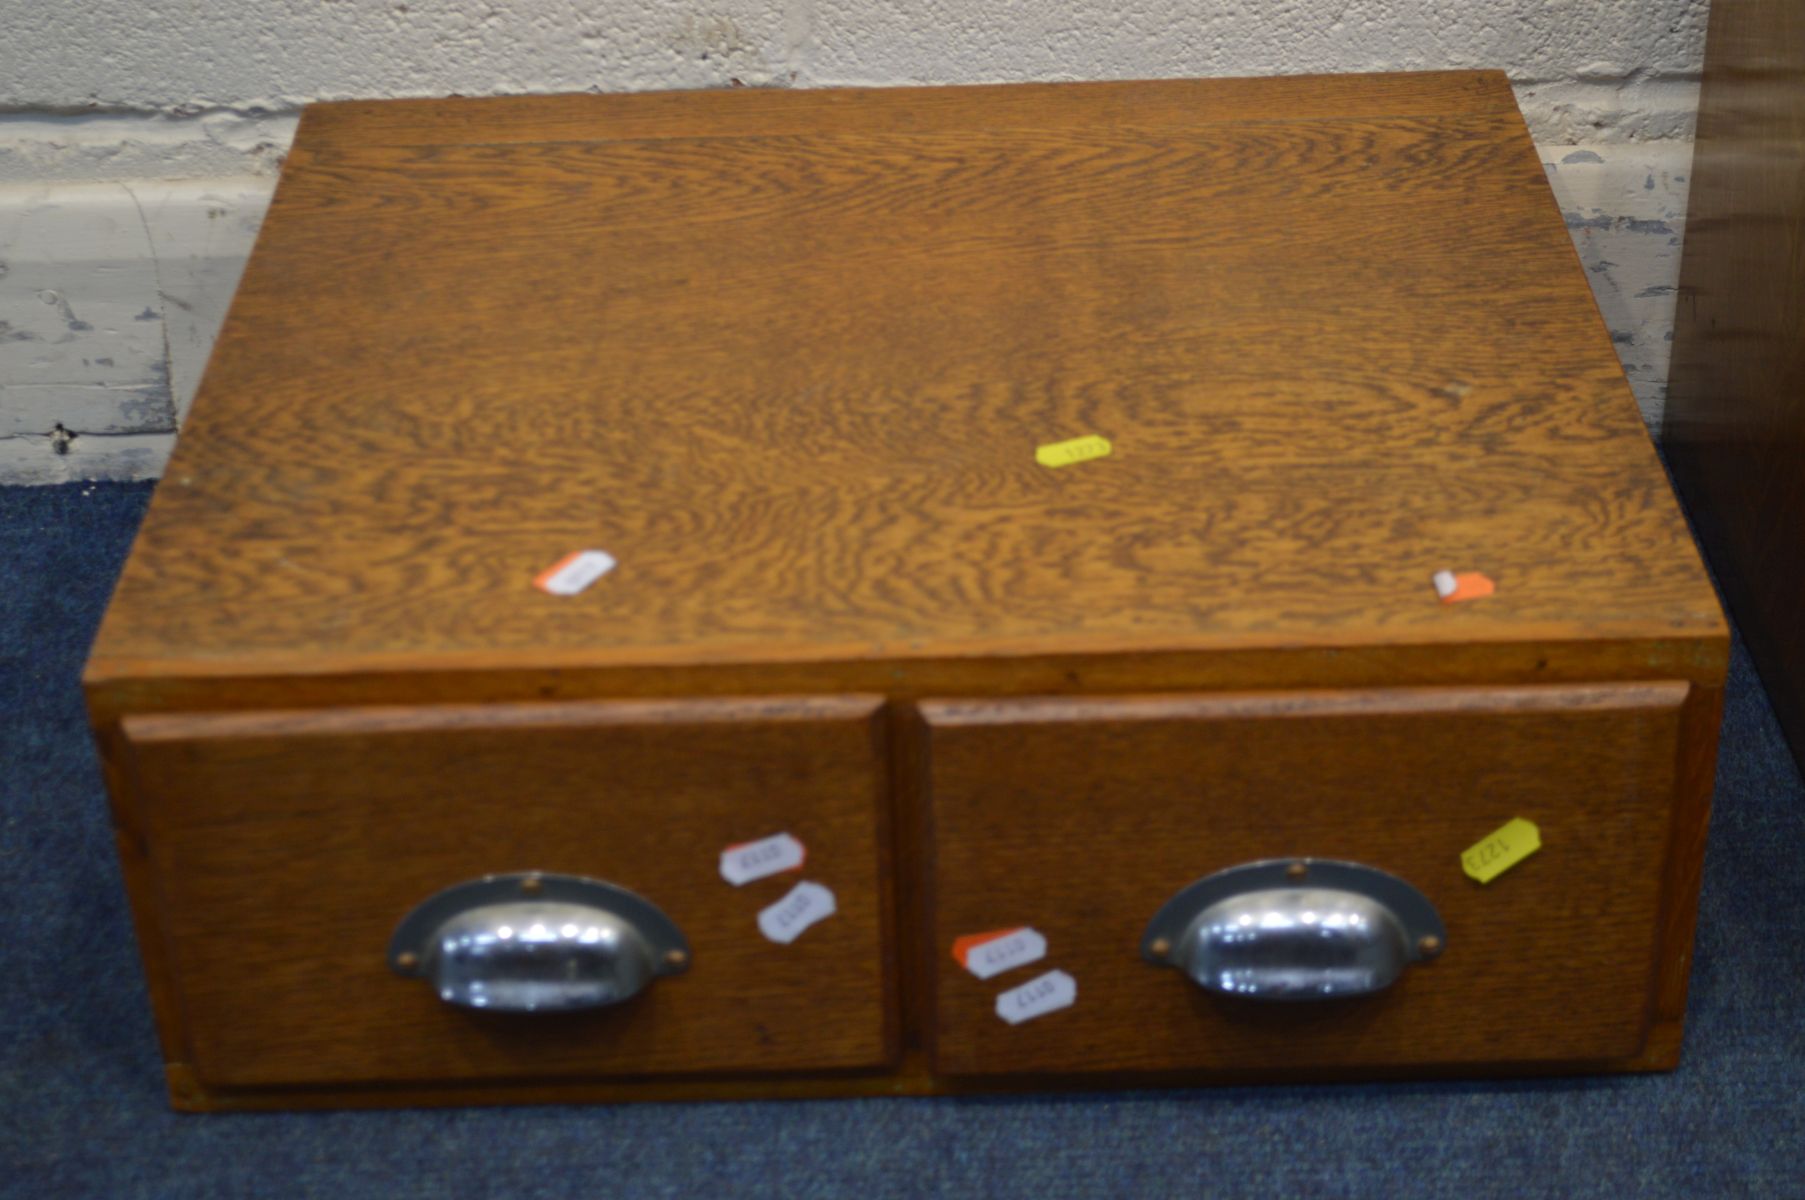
point(787, 357)
point(1695, 773)
point(1082, 817)
point(1735, 418)
point(762, 112)
point(285, 848)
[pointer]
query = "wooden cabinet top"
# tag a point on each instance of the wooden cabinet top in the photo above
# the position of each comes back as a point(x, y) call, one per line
point(787, 357)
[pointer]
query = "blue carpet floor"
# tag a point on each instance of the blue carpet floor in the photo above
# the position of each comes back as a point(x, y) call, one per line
point(81, 1097)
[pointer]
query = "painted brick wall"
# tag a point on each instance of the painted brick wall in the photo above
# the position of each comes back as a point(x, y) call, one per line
point(113, 278)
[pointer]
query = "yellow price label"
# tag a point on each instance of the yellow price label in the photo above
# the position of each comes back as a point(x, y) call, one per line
point(1074, 450)
point(1501, 849)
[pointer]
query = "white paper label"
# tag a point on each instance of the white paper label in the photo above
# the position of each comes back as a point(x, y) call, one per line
point(999, 954)
point(806, 904)
point(1038, 997)
point(573, 573)
point(747, 861)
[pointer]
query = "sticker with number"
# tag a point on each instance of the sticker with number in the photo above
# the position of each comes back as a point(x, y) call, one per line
point(1071, 451)
point(1501, 849)
point(574, 572)
point(988, 954)
point(1038, 997)
point(805, 905)
point(747, 861)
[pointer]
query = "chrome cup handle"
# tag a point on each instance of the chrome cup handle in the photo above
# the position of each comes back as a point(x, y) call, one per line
point(1295, 929)
point(532, 942)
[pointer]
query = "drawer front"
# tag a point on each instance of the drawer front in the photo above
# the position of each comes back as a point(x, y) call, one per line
point(1081, 818)
point(286, 848)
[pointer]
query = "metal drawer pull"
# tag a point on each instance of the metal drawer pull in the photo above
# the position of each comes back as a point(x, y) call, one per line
point(1295, 929)
point(537, 943)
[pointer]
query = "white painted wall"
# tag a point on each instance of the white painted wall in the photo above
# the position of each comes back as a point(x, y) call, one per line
point(103, 102)
point(110, 297)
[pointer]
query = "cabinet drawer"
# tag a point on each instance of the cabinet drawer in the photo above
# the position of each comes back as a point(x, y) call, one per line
point(1082, 817)
point(286, 847)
